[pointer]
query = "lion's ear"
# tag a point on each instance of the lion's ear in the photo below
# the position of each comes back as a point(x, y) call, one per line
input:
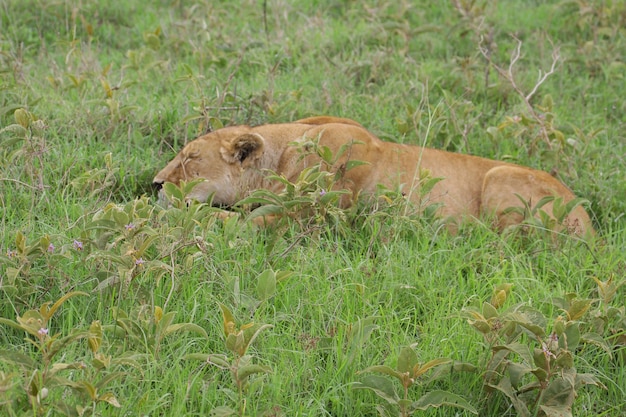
point(248, 146)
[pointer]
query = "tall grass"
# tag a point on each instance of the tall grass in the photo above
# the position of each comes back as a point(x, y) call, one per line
point(95, 97)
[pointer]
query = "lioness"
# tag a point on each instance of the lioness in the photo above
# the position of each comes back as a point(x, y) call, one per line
point(235, 161)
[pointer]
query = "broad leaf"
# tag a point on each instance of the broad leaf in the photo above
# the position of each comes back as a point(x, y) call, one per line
point(266, 284)
point(252, 333)
point(221, 361)
point(407, 360)
point(265, 210)
point(504, 386)
point(228, 320)
point(443, 398)
point(489, 311)
point(517, 372)
point(442, 371)
point(109, 398)
point(519, 348)
point(556, 411)
point(419, 370)
point(47, 313)
point(245, 371)
point(187, 327)
point(381, 386)
point(17, 358)
point(222, 411)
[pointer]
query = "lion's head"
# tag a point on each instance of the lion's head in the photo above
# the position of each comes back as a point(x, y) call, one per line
point(225, 159)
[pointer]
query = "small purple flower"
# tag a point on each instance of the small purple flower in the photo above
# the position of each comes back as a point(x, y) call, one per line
point(139, 262)
point(129, 226)
point(51, 248)
point(554, 337)
point(78, 245)
point(43, 332)
point(547, 353)
point(322, 192)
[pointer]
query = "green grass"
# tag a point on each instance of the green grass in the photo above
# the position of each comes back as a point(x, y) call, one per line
point(116, 88)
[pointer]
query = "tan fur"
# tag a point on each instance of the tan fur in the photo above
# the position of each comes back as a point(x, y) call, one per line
point(234, 161)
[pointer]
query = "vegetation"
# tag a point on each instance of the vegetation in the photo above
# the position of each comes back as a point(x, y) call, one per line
point(111, 304)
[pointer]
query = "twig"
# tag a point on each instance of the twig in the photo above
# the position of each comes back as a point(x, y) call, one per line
point(556, 57)
point(508, 75)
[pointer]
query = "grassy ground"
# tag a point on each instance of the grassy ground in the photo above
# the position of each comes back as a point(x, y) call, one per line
point(95, 97)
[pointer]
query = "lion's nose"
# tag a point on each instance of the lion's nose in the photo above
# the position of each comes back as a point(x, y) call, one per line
point(157, 184)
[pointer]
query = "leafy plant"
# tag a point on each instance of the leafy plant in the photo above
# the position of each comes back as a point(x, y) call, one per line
point(408, 372)
point(314, 197)
point(46, 381)
point(537, 220)
point(26, 143)
point(147, 327)
point(533, 368)
point(28, 266)
point(240, 364)
point(608, 322)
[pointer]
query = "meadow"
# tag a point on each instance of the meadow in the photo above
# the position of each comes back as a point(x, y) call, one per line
point(113, 305)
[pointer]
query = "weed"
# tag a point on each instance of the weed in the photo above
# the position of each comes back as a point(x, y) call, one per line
point(533, 367)
point(408, 372)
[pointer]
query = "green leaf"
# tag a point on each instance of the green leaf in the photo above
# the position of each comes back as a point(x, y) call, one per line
point(221, 361)
point(596, 339)
point(407, 360)
point(246, 371)
point(283, 275)
point(419, 370)
point(163, 320)
point(517, 372)
point(88, 389)
point(489, 311)
point(572, 336)
point(556, 411)
point(252, 333)
point(22, 117)
point(235, 342)
point(228, 320)
point(537, 331)
point(266, 210)
point(63, 366)
point(494, 365)
point(359, 335)
point(95, 336)
point(587, 379)
point(443, 398)
point(565, 359)
point(381, 386)
point(48, 313)
point(519, 348)
point(442, 371)
point(578, 308)
point(355, 163)
point(504, 386)
point(109, 398)
point(266, 284)
point(222, 411)
point(383, 369)
point(187, 327)
point(17, 358)
point(560, 391)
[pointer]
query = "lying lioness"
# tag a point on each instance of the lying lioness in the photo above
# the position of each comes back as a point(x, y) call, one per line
point(235, 161)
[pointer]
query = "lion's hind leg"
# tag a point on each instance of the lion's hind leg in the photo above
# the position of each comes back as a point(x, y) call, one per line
point(508, 186)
